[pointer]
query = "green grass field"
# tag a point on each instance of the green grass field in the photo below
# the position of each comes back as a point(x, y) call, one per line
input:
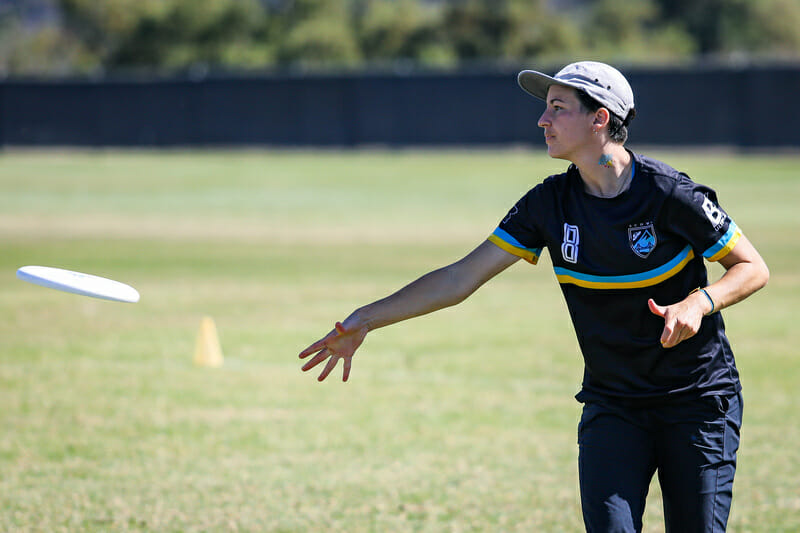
point(463, 420)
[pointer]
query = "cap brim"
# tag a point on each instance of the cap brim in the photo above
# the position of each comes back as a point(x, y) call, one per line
point(537, 83)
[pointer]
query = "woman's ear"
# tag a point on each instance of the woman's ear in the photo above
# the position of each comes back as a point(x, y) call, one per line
point(601, 118)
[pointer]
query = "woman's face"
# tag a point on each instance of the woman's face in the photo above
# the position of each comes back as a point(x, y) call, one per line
point(567, 124)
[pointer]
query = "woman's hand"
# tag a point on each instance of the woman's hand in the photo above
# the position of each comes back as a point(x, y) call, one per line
point(340, 343)
point(681, 320)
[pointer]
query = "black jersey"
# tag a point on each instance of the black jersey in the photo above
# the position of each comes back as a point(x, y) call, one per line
point(610, 255)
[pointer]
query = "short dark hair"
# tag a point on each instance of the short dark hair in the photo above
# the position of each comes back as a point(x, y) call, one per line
point(617, 127)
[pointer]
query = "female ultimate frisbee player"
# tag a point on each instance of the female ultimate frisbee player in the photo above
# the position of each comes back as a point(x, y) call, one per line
point(628, 236)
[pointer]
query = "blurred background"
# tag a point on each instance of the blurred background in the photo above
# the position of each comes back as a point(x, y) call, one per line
point(122, 124)
point(385, 72)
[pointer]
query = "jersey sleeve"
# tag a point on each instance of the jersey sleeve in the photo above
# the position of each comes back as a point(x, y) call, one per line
point(517, 234)
point(695, 214)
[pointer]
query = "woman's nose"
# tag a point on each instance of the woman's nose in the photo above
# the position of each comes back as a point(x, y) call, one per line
point(544, 120)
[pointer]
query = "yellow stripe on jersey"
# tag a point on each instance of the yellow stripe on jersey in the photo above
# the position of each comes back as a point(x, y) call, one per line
point(630, 281)
point(725, 244)
point(528, 254)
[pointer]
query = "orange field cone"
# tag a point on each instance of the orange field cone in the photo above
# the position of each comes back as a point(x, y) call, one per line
point(207, 350)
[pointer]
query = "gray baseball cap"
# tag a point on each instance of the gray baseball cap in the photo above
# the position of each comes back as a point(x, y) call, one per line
point(602, 82)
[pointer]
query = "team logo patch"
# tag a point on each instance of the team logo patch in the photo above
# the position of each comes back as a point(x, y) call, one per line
point(642, 239)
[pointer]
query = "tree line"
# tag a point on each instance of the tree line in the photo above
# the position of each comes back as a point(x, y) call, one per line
point(87, 37)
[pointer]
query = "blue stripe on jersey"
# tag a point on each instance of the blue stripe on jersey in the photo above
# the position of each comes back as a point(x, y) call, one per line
point(504, 240)
point(725, 244)
point(629, 281)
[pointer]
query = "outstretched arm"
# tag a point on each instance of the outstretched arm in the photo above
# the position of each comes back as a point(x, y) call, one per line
point(441, 288)
point(746, 272)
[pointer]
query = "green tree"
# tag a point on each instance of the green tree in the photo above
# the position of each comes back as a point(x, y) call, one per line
point(635, 30)
point(318, 33)
point(44, 51)
point(743, 26)
point(168, 35)
point(223, 33)
point(100, 26)
point(405, 30)
point(537, 34)
point(773, 28)
point(477, 28)
point(508, 30)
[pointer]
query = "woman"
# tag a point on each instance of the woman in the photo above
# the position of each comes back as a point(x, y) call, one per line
point(627, 236)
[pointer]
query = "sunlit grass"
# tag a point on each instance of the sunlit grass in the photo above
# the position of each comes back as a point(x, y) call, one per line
point(459, 421)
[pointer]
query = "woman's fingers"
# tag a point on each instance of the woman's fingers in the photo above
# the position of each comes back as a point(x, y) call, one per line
point(328, 368)
point(317, 359)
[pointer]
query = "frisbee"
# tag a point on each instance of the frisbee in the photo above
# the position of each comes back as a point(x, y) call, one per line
point(78, 283)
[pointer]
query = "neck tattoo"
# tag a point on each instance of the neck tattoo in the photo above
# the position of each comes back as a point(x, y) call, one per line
point(605, 161)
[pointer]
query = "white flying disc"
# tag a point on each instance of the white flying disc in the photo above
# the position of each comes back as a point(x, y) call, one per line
point(78, 283)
